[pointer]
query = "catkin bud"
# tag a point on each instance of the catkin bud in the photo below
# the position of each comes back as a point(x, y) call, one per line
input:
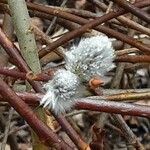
point(61, 91)
point(92, 57)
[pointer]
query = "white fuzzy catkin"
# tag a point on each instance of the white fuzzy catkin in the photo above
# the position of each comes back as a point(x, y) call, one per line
point(92, 57)
point(61, 90)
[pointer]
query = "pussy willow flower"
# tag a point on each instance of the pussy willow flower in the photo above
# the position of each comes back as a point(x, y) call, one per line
point(92, 57)
point(61, 91)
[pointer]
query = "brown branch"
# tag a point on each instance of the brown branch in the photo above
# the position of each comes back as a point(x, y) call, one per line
point(98, 104)
point(113, 107)
point(27, 76)
point(133, 58)
point(43, 131)
point(13, 52)
point(69, 130)
point(83, 29)
point(134, 10)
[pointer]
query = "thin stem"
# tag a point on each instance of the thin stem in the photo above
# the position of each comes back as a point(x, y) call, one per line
point(100, 103)
point(134, 58)
point(15, 130)
point(134, 10)
point(45, 134)
point(27, 76)
point(113, 107)
point(51, 26)
point(72, 133)
point(127, 132)
point(7, 128)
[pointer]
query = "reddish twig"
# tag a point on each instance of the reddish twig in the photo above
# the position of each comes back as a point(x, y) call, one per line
point(26, 76)
point(88, 26)
point(14, 53)
point(43, 131)
point(133, 58)
point(13, 73)
point(125, 21)
point(129, 95)
point(85, 28)
point(98, 105)
point(134, 10)
point(113, 107)
point(104, 29)
point(69, 130)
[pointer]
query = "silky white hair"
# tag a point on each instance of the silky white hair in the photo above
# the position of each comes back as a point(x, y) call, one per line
point(92, 57)
point(61, 91)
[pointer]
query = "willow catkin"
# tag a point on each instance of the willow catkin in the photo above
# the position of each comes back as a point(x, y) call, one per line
point(93, 57)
